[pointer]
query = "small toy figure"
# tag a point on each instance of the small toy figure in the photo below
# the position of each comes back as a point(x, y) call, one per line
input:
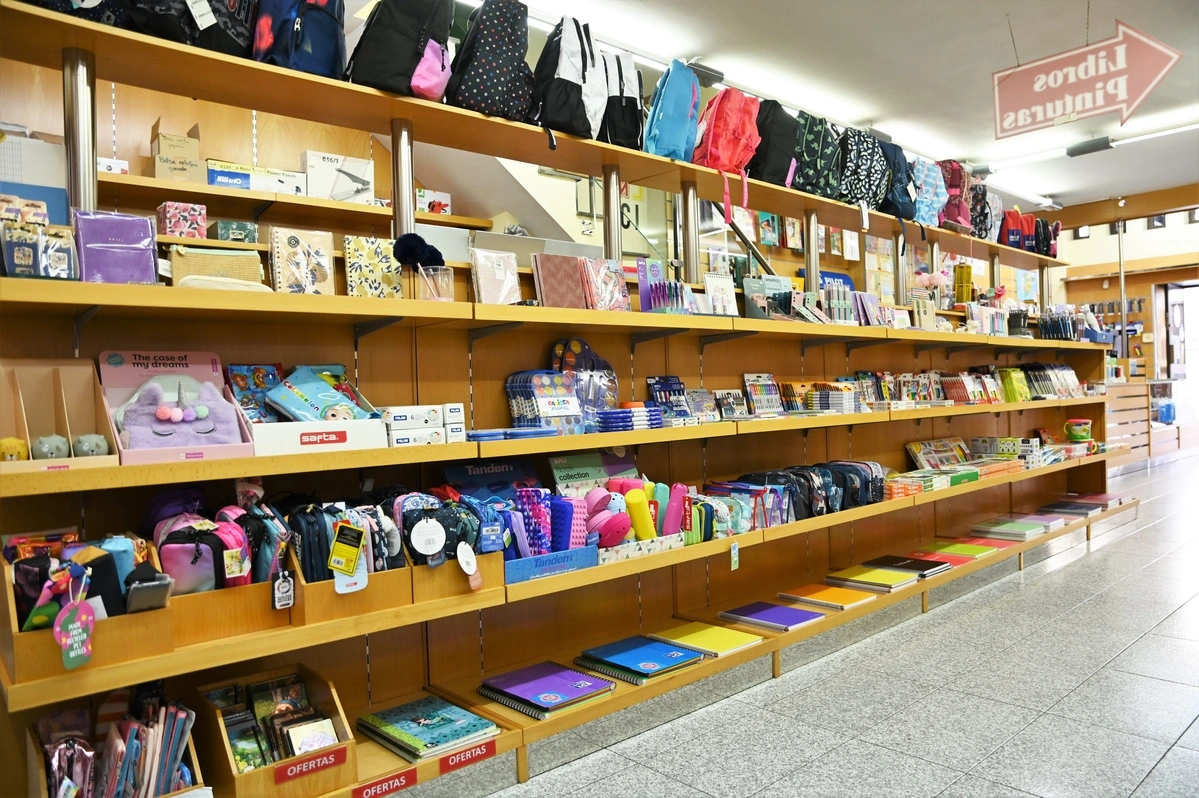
point(51, 447)
point(12, 449)
point(91, 445)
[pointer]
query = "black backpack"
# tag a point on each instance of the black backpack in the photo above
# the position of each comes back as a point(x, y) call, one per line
point(394, 40)
point(980, 211)
point(900, 200)
point(1042, 237)
point(774, 160)
point(233, 33)
point(570, 88)
point(817, 169)
point(864, 171)
point(489, 70)
point(623, 117)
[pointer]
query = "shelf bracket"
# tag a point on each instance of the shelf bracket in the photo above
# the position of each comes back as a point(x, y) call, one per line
point(261, 209)
point(652, 335)
point(852, 345)
point(81, 321)
point(949, 350)
point(1026, 353)
point(479, 333)
point(807, 344)
point(706, 340)
point(922, 348)
point(365, 328)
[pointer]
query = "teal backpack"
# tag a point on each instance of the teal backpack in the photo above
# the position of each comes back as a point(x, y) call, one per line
point(674, 114)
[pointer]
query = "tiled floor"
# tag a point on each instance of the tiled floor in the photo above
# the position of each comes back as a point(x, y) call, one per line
point(1077, 677)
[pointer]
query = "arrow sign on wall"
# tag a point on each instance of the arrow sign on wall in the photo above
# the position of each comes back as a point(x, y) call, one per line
point(1116, 74)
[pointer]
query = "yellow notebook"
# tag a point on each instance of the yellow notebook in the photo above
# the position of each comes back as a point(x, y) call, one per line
point(837, 598)
point(873, 577)
point(715, 641)
point(961, 549)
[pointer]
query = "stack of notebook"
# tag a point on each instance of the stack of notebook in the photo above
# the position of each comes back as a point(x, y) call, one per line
point(922, 568)
point(1008, 529)
point(425, 728)
point(956, 560)
point(1104, 501)
point(957, 548)
point(637, 659)
point(986, 543)
point(1048, 523)
point(715, 641)
point(775, 617)
point(876, 580)
point(1070, 508)
point(835, 598)
point(543, 689)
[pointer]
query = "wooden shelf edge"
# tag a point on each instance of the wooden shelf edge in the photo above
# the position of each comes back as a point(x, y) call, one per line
point(836, 519)
point(605, 440)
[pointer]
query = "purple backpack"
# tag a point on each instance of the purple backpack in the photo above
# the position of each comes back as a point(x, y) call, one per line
point(170, 503)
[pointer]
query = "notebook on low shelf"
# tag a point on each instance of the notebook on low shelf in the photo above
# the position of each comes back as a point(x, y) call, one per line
point(778, 617)
point(1008, 529)
point(425, 728)
point(542, 689)
point(956, 560)
point(921, 567)
point(1074, 509)
point(1047, 522)
point(961, 549)
point(837, 598)
point(878, 580)
point(1105, 501)
point(637, 659)
point(559, 281)
point(715, 641)
point(979, 540)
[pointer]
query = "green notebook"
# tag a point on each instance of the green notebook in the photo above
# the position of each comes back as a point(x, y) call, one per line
point(999, 525)
point(961, 549)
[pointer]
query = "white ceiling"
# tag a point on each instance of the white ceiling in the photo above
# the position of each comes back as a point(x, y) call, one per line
point(920, 71)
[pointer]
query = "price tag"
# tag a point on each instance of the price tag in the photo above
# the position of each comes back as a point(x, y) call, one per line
point(201, 13)
point(346, 549)
point(492, 538)
point(283, 592)
point(734, 557)
point(469, 565)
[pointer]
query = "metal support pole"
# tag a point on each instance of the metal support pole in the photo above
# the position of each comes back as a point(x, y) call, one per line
point(1123, 296)
point(900, 265)
point(1043, 287)
point(934, 261)
point(690, 247)
point(996, 273)
point(403, 180)
point(811, 251)
point(613, 249)
point(79, 125)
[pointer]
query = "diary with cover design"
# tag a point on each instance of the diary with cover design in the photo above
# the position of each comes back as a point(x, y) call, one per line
point(545, 687)
point(301, 261)
point(559, 284)
point(426, 727)
point(603, 281)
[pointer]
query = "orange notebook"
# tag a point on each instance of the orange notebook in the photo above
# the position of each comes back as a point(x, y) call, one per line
point(836, 598)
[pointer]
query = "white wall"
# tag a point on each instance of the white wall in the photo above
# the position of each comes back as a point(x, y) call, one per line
point(1176, 238)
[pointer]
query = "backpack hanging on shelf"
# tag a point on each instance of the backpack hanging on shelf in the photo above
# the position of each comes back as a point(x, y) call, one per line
point(623, 114)
point(817, 162)
point(956, 214)
point(774, 159)
point(900, 199)
point(304, 36)
point(670, 130)
point(1028, 232)
point(727, 138)
point(489, 70)
point(864, 172)
point(1055, 230)
point(980, 210)
point(404, 48)
point(231, 31)
point(1009, 230)
point(570, 89)
point(105, 12)
point(930, 191)
point(995, 204)
point(1042, 237)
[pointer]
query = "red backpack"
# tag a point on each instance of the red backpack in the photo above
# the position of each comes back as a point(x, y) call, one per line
point(956, 214)
point(1009, 230)
point(1028, 231)
point(727, 139)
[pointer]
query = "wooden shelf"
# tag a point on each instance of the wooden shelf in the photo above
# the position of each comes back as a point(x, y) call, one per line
point(754, 426)
point(125, 191)
point(970, 410)
point(210, 243)
point(34, 483)
point(836, 519)
point(605, 440)
point(773, 328)
point(1005, 479)
point(36, 36)
point(635, 565)
point(600, 321)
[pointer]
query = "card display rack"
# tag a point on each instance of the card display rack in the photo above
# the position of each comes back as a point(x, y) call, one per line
point(429, 633)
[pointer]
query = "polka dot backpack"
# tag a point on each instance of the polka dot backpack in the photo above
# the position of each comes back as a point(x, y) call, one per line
point(490, 74)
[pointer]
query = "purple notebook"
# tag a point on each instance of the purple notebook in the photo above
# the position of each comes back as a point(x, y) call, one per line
point(115, 248)
point(549, 685)
point(772, 616)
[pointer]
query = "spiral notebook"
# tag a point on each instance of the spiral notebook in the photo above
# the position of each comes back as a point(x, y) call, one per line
point(715, 641)
point(637, 659)
point(541, 689)
point(772, 616)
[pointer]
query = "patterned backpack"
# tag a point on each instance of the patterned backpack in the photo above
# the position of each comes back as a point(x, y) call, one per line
point(489, 70)
point(304, 35)
point(980, 210)
point(865, 175)
point(816, 166)
point(930, 191)
point(956, 215)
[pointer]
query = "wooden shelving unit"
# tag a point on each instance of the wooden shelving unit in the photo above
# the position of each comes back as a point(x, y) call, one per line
point(409, 351)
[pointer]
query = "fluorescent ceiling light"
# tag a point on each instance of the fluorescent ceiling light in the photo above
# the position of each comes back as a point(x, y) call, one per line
point(1028, 195)
point(1147, 136)
point(649, 62)
point(1036, 157)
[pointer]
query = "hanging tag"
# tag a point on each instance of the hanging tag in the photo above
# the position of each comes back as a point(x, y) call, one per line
point(73, 631)
point(351, 583)
point(687, 514)
point(67, 789)
point(734, 556)
point(235, 564)
point(491, 538)
point(469, 565)
point(283, 592)
point(428, 538)
point(201, 13)
point(865, 216)
point(346, 549)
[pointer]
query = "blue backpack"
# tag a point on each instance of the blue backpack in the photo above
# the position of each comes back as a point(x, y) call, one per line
point(674, 114)
point(305, 36)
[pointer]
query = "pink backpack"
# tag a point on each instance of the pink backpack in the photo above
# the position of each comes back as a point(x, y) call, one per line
point(727, 139)
point(234, 538)
point(956, 214)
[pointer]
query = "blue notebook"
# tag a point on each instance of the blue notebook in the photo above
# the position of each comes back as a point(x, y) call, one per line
point(641, 656)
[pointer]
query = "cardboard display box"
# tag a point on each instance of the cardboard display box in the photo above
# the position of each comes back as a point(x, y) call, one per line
point(339, 177)
point(175, 157)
